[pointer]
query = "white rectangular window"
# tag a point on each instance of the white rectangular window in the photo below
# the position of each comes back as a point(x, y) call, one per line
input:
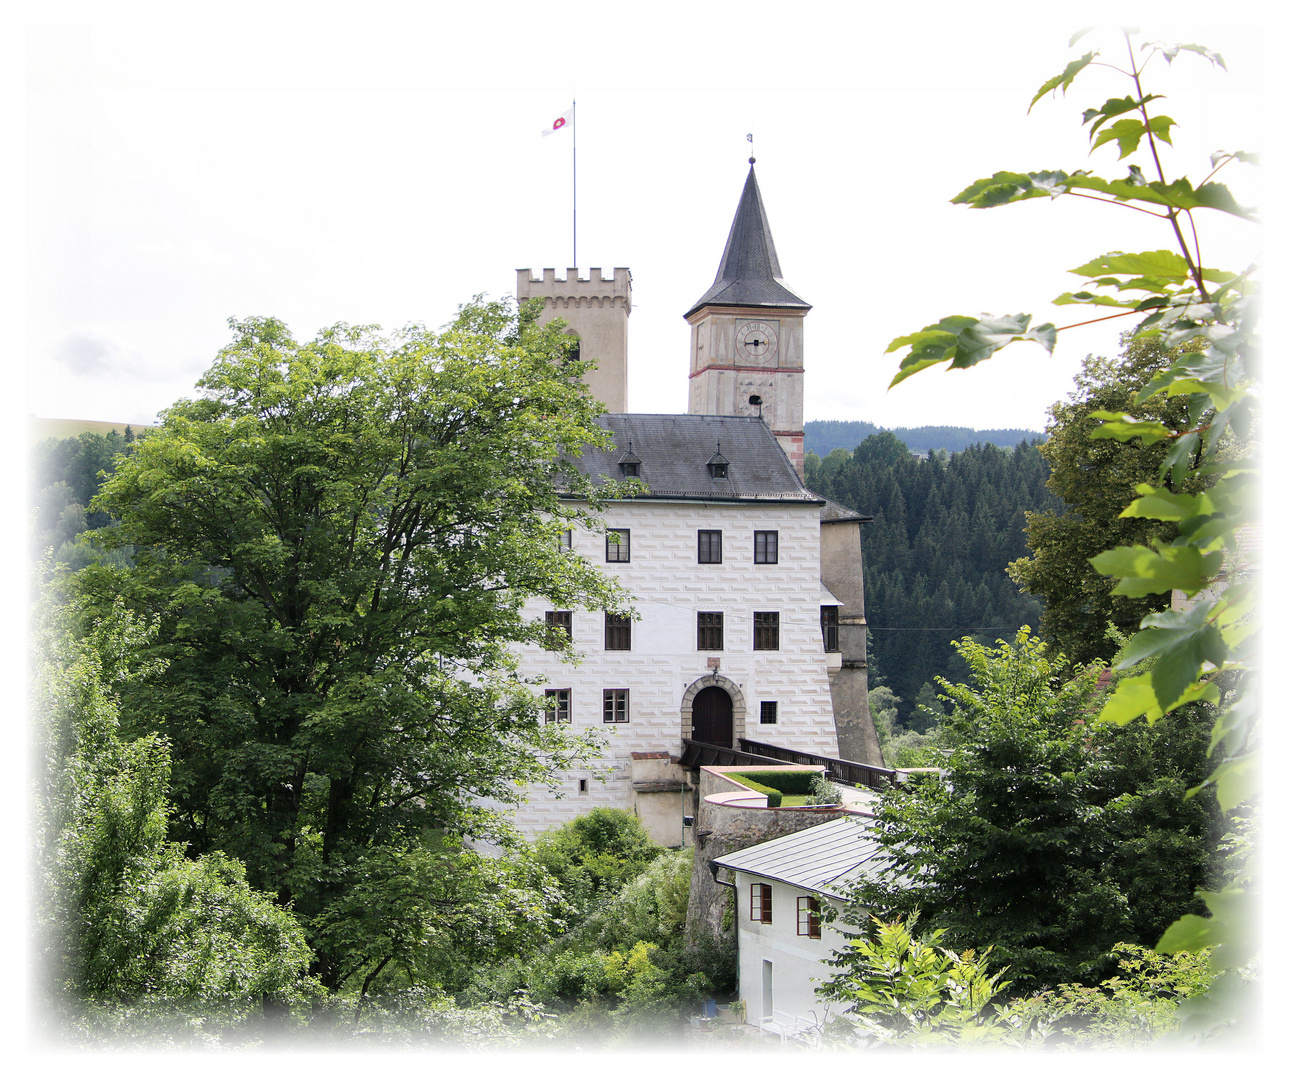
point(765, 546)
point(557, 706)
point(615, 707)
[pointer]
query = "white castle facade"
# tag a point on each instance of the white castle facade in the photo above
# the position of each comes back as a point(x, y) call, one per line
point(747, 587)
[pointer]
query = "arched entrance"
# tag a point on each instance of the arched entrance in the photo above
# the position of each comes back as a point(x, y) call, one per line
point(714, 717)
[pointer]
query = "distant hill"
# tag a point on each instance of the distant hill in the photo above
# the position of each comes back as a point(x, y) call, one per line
point(825, 436)
point(40, 428)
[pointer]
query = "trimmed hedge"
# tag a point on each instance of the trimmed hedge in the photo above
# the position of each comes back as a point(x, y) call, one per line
point(774, 785)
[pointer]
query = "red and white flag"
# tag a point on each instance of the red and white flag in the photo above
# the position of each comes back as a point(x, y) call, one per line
point(565, 120)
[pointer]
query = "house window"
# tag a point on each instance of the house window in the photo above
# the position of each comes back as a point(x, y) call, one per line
point(617, 632)
point(711, 631)
point(809, 923)
point(769, 712)
point(720, 470)
point(566, 538)
point(557, 706)
point(762, 903)
point(709, 545)
point(617, 546)
point(559, 629)
point(828, 623)
point(765, 545)
point(765, 630)
point(630, 468)
point(615, 707)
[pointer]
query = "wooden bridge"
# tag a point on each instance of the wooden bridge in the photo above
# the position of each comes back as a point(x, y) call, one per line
point(750, 752)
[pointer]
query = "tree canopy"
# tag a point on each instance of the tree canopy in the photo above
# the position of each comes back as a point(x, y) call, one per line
point(335, 541)
point(1049, 838)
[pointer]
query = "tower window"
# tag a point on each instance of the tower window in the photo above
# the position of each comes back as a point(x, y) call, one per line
point(765, 630)
point(709, 545)
point(617, 546)
point(617, 633)
point(828, 623)
point(711, 631)
point(765, 544)
point(574, 348)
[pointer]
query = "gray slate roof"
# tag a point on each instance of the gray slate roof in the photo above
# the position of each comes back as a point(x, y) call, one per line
point(674, 451)
point(749, 273)
point(826, 859)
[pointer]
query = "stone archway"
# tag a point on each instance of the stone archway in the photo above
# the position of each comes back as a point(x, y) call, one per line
point(738, 706)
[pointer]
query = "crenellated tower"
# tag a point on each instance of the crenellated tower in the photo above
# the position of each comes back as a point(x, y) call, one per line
point(746, 347)
point(596, 310)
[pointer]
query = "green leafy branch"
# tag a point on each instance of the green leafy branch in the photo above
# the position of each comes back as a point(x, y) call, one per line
point(1200, 649)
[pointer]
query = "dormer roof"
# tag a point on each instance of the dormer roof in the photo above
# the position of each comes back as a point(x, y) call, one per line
point(749, 274)
point(676, 453)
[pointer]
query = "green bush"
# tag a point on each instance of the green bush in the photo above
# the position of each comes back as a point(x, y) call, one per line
point(786, 783)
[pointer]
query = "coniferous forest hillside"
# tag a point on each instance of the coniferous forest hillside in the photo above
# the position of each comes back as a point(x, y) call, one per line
point(825, 436)
point(944, 529)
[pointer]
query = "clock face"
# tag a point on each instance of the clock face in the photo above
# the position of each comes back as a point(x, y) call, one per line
point(757, 341)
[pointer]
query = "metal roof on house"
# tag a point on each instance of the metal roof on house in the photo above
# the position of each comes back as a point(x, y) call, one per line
point(749, 274)
point(826, 859)
point(675, 452)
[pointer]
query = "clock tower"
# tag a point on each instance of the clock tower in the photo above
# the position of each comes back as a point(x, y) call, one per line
point(745, 352)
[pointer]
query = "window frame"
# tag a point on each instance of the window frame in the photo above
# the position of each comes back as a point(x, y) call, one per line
point(830, 627)
point(765, 551)
point(558, 620)
point(617, 632)
point(765, 629)
point(715, 630)
point(761, 903)
point(553, 715)
point(713, 547)
point(617, 706)
point(809, 916)
point(621, 551)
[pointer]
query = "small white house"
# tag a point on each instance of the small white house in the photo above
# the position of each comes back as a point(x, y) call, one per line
point(783, 941)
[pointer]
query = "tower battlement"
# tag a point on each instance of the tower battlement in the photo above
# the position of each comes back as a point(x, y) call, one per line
point(595, 309)
point(571, 290)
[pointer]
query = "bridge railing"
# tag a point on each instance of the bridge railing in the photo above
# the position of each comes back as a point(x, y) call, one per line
point(750, 752)
point(855, 773)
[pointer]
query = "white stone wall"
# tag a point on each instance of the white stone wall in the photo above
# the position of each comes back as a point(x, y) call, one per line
point(671, 587)
point(797, 961)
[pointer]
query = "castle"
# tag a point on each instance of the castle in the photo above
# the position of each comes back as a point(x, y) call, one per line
point(748, 587)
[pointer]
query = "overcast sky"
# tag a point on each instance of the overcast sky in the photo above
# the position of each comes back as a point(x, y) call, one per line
point(181, 175)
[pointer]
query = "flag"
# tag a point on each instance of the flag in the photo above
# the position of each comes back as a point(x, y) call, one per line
point(560, 121)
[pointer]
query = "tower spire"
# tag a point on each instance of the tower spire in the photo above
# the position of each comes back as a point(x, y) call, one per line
point(749, 273)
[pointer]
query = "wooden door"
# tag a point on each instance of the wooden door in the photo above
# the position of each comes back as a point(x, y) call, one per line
point(714, 717)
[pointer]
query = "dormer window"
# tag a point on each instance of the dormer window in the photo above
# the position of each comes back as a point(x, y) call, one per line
point(718, 465)
point(629, 463)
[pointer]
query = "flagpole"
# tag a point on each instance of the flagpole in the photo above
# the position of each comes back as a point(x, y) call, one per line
point(574, 111)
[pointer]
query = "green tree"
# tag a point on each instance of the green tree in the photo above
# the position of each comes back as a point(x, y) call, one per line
point(1049, 838)
point(595, 855)
point(336, 540)
point(1095, 479)
point(903, 989)
point(133, 932)
point(1204, 320)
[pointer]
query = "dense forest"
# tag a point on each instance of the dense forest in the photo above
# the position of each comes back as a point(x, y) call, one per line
point(825, 436)
point(935, 555)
